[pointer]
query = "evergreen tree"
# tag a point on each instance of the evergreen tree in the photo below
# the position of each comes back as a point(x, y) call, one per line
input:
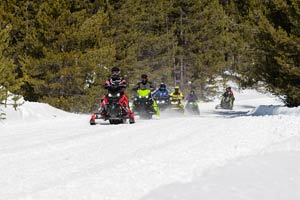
point(143, 39)
point(276, 60)
point(8, 80)
point(63, 49)
point(186, 39)
point(202, 41)
point(69, 51)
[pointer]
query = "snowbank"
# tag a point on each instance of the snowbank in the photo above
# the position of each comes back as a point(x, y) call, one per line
point(32, 111)
point(274, 110)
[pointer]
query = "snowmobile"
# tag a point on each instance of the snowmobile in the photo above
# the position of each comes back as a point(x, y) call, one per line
point(162, 102)
point(114, 112)
point(226, 102)
point(144, 105)
point(191, 107)
point(176, 105)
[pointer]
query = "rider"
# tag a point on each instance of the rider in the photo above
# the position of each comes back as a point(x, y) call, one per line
point(192, 103)
point(192, 97)
point(116, 84)
point(161, 92)
point(177, 94)
point(228, 92)
point(144, 83)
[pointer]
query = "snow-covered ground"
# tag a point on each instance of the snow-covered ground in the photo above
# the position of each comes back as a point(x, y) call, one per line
point(250, 152)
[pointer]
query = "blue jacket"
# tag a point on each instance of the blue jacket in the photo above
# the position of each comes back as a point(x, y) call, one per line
point(161, 93)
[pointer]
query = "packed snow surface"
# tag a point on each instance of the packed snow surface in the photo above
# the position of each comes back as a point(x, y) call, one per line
point(250, 152)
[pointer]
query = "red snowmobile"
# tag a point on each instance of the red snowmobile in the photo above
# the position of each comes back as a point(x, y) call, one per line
point(114, 112)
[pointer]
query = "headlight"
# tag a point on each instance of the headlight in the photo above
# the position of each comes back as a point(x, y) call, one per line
point(140, 97)
point(147, 96)
point(163, 101)
point(118, 94)
point(109, 94)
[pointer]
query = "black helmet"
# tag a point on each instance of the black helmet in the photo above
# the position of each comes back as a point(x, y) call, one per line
point(192, 92)
point(115, 69)
point(144, 76)
point(115, 72)
point(162, 86)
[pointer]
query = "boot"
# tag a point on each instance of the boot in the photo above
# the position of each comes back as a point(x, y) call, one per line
point(129, 114)
point(102, 112)
point(131, 117)
point(92, 120)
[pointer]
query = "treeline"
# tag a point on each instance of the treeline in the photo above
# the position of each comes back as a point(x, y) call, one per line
point(61, 51)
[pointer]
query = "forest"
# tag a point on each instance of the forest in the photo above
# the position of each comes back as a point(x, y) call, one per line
point(61, 51)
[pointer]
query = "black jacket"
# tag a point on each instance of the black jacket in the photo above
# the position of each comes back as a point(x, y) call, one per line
point(144, 85)
point(116, 85)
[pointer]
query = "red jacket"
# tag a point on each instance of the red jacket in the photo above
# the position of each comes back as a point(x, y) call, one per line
point(228, 92)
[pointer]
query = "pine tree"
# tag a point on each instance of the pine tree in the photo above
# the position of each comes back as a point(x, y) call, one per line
point(201, 42)
point(277, 42)
point(8, 80)
point(71, 51)
point(64, 49)
point(143, 39)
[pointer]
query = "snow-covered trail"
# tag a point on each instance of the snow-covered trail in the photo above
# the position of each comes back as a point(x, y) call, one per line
point(66, 158)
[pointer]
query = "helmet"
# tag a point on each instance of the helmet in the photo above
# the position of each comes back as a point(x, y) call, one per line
point(192, 92)
point(144, 76)
point(162, 86)
point(115, 71)
point(176, 89)
point(228, 88)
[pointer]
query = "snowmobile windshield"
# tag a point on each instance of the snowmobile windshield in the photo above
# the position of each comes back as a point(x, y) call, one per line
point(143, 93)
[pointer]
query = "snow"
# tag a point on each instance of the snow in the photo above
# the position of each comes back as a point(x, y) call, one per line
point(250, 152)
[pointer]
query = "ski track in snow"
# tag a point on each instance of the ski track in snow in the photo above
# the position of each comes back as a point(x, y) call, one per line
point(66, 158)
